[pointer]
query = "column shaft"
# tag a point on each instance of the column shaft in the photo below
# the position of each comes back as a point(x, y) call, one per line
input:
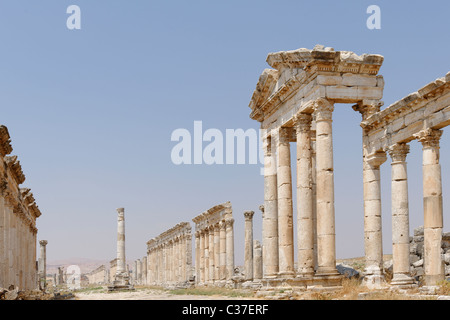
point(270, 217)
point(305, 218)
point(400, 216)
point(326, 235)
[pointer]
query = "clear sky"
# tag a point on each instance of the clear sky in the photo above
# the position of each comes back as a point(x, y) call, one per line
point(91, 111)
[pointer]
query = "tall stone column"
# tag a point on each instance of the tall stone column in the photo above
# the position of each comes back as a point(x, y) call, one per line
point(314, 193)
point(230, 248)
point(223, 251)
point(270, 216)
point(188, 268)
point(197, 257)
point(43, 264)
point(202, 257)
point(206, 240)
point(248, 249)
point(3, 248)
point(144, 271)
point(432, 206)
point(216, 252)
point(120, 241)
point(211, 254)
point(373, 237)
point(257, 260)
point(326, 234)
point(285, 214)
point(305, 219)
point(400, 215)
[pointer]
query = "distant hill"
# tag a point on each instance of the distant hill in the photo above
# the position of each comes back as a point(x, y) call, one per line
point(86, 264)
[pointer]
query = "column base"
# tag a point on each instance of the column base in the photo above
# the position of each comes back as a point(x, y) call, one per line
point(433, 280)
point(403, 281)
point(374, 281)
point(327, 272)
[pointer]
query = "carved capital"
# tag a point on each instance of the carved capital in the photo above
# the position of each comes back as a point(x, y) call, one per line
point(302, 122)
point(323, 109)
point(229, 222)
point(284, 135)
point(429, 137)
point(248, 215)
point(261, 207)
point(398, 152)
point(43, 242)
point(368, 107)
point(376, 159)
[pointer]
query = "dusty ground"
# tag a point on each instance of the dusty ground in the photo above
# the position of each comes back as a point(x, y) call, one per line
point(149, 294)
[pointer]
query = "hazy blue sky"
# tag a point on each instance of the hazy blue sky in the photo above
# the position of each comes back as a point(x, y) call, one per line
point(91, 111)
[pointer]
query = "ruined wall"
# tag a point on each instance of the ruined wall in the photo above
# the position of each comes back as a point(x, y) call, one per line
point(18, 214)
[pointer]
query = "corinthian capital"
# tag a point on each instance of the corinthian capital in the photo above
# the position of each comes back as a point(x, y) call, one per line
point(323, 109)
point(429, 137)
point(303, 122)
point(398, 152)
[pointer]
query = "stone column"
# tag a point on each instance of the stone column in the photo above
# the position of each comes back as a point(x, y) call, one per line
point(305, 226)
point(400, 216)
point(206, 240)
point(144, 271)
point(314, 193)
point(270, 216)
point(223, 251)
point(248, 249)
point(216, 252)
point(432, 206)
point(285, 214)
point(197, 257)
point(202, 257)
point(43, 264)
point(257, 260)
point(373, 237)
point(326, 234)
point(188, 256)
point(211, 254)
point(3, 248)
point(135, 275)
point(120, 241)
point(230, 248)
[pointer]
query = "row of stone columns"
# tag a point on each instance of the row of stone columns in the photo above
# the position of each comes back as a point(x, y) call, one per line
point(432, 204)
point(315, 198)
point(214, 252)
point(17, 247)
point(169, 262)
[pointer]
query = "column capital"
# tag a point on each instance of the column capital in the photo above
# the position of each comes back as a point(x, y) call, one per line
point(216, 226)
point(261, 208)
point(248, 215)
point(229, 222)
point(43, 242)
point(368, 107)
point(376, 159)
point(284, 135)
point(323, 109)
point(398, 152)
point(120, 210)
point(302, 122)
point(222, 225)
point(429, 137)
